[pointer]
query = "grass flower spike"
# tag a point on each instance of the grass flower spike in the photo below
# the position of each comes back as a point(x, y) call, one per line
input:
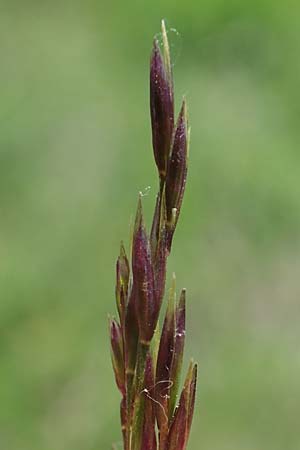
point(147, 360)
point(161, 108)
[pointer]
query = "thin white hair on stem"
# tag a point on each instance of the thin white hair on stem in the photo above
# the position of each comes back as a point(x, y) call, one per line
point(169, 384)
point(145, 391)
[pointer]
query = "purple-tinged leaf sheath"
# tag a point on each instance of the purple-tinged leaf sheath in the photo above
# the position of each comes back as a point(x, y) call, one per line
point(164, 362)
point(175, 369)
point(161, 108)
point(149, 436)
point(117, 354)
point(177, 171)
point(147, 307)
point(122, 282)
point(181, 424)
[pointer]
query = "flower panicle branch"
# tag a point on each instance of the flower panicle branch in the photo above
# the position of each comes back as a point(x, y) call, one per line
point(146, 360)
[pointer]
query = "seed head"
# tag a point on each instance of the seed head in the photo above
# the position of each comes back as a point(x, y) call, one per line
point(161, 108)
point(147, 307)
point(177, 171)
point(146, 361)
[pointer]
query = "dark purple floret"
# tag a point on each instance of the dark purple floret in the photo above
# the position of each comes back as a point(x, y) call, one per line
point(177, 172)
point(177, 168)
point(162, 109)
point(147, 307)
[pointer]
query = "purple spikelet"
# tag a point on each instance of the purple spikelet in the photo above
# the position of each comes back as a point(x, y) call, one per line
point(161, 109)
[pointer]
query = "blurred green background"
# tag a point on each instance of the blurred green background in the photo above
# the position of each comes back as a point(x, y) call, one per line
point(75, 149)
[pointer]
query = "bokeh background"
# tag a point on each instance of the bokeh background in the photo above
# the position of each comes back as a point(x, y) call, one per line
point(75, 149)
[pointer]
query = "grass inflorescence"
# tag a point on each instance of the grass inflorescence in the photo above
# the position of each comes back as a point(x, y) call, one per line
point(146, 360)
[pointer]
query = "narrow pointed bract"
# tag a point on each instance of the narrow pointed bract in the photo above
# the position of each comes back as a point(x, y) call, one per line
point(117, 354)
point(169, 363)
point(131, 333)
point(147, 308)
point(164, 362)
point(161, 108)
point(177, 171)
point(147, 360)
point(193, 386)
point(180, 427)
point(122, 282)
point(175, 370)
